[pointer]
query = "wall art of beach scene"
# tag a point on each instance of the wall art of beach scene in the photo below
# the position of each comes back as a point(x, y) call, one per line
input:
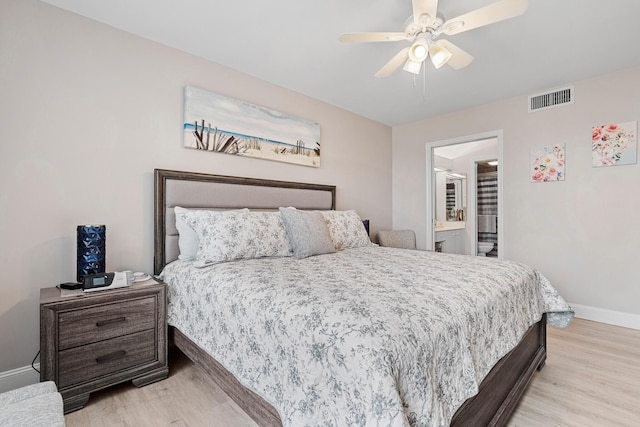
point(214, 122)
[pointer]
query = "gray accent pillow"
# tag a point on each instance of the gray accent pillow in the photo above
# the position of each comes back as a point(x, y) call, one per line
point(307, 232)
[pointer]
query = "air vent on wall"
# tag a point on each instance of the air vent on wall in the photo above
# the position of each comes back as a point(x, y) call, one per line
point(551, 99)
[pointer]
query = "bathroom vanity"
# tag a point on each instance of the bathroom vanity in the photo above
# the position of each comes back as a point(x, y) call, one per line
point(452, 236)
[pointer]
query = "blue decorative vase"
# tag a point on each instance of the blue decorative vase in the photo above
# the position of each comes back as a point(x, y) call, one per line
point(91, 250)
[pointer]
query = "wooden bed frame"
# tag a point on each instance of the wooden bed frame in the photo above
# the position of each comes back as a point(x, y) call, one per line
point(499, 392)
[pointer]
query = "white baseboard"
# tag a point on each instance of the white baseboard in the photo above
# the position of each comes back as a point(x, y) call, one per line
point(19, 377)
point(617, 318)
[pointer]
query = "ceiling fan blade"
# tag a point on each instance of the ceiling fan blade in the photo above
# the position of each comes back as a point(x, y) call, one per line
point(372, 37)
point(395, 62)
point(459, 58)
point(490, 14)
point(424, 7)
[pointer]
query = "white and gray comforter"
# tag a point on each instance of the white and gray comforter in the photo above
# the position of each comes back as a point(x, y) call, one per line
point(362, 337)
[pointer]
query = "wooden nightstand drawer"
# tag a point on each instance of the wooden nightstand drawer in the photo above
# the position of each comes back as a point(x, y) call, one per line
point(95, 340)
point(81, 364)
point(90, 325)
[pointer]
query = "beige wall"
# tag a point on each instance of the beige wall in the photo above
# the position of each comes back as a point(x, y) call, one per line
point(87, 112)
point(581, 233)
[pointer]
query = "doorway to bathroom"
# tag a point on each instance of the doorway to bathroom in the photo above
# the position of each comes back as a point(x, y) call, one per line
point(486, 190)
point(464, 195)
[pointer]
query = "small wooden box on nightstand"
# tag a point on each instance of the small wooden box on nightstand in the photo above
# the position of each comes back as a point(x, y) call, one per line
point(98, 339)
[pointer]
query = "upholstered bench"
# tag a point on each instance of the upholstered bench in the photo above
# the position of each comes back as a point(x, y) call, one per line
point(34, 405)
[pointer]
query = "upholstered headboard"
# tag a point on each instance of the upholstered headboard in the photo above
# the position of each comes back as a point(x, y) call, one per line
point(204, 191)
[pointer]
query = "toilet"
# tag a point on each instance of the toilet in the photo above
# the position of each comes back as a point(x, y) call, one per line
point(484, 248)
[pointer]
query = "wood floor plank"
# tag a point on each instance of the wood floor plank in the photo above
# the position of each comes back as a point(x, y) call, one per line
point(186, 398)
point(591, 379)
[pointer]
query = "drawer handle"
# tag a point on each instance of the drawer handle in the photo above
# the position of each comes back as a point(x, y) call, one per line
point(111, 321)
point(111, 356)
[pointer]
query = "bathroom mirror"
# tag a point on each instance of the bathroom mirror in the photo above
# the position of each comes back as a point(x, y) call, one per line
point(450, 195)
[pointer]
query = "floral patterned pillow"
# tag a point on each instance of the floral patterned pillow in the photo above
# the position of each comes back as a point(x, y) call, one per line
point(346, 229)
point(270, 231)
point(239, 234)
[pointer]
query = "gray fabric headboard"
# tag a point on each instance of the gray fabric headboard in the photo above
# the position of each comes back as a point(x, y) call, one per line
point(204, 191)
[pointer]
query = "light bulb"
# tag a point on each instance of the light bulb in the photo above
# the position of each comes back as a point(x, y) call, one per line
point(419, 50)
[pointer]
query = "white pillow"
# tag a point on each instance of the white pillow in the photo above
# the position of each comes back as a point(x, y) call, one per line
point(346, 229)
point(239, 234)
point(187, 237)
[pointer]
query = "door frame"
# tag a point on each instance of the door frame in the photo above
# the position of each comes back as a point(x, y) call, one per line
point(430, 185)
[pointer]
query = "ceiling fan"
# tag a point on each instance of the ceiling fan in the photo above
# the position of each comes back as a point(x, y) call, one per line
point(425, 26)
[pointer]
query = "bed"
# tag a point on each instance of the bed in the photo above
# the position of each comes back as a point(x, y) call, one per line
point(334, 379)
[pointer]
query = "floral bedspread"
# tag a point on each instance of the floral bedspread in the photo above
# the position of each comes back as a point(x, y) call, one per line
point(363, 337)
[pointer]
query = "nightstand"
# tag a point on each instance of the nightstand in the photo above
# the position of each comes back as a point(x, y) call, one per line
point(95, 340)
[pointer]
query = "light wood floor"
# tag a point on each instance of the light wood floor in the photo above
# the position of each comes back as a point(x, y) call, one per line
point(591, 378)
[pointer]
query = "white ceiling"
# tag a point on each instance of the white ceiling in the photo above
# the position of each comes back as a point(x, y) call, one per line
point(294, 44)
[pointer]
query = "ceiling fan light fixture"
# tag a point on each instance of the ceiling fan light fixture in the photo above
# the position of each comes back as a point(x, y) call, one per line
point(419, 50)
point(412, 67)
point(440, 55)
point(423, 28)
